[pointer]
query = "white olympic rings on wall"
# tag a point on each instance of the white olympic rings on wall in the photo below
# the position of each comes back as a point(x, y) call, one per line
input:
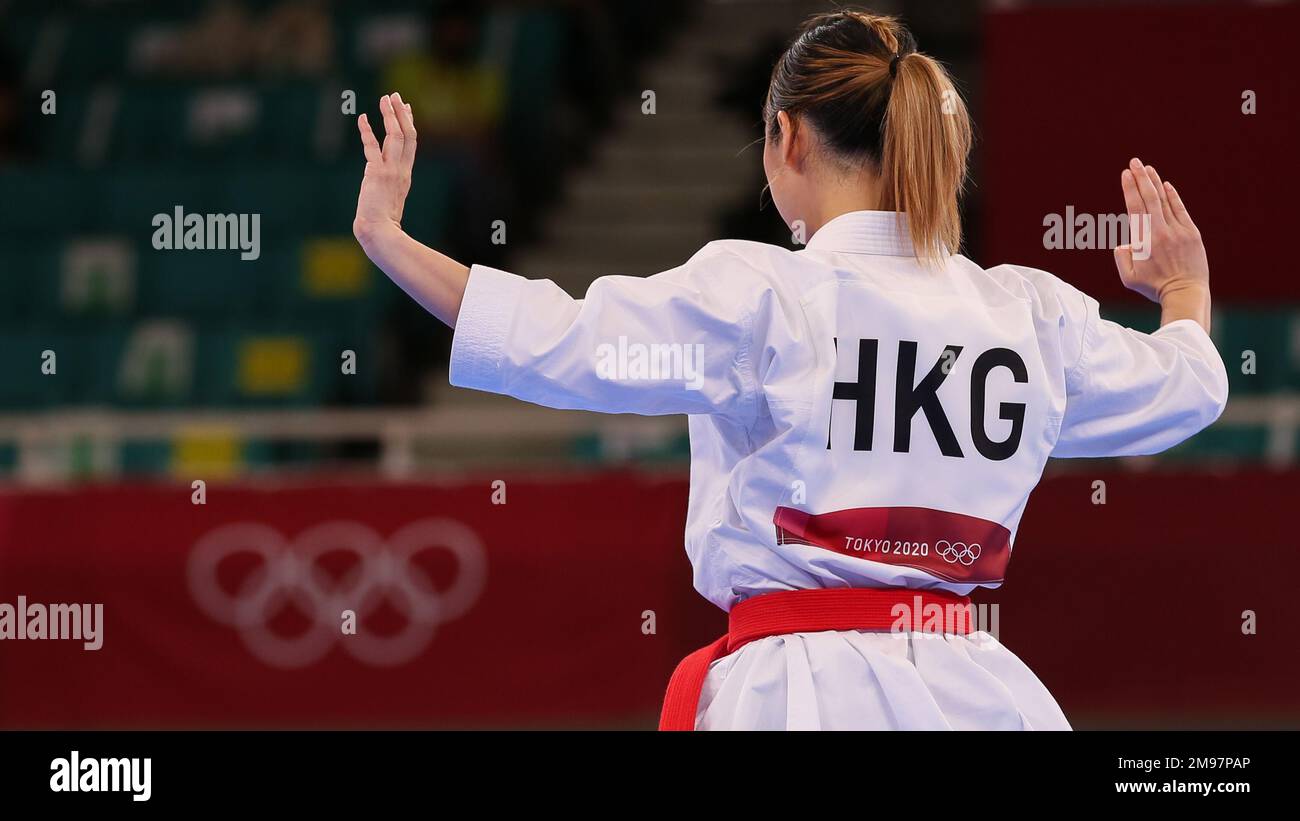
point(290, 573)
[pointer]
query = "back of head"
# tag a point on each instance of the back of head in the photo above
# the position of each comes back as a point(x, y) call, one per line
point(858, 79)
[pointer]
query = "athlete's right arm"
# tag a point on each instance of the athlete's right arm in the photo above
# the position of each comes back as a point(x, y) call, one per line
point(676, 342)
point(433, 279)
point(1131, 393)
point(673, 343)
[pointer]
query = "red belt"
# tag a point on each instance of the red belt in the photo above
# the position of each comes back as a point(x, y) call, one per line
point(810, 611)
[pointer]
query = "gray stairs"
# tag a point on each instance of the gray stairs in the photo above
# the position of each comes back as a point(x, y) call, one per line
point(652, 195)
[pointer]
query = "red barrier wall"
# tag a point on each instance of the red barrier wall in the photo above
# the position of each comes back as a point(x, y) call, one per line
point(1071, 93)
point(554, 637)
point(1131, 608)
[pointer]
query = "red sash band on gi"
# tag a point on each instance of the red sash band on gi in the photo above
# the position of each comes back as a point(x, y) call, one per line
point(809, 611)
point(950, 546)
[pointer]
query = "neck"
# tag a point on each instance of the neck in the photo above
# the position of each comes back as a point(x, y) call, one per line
point(859, 192)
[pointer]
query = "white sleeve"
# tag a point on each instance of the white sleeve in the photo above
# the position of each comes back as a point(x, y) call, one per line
point(676, 342)
point(1133, 393)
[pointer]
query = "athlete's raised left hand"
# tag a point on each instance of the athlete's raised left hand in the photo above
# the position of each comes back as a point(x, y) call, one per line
point(1172, 268)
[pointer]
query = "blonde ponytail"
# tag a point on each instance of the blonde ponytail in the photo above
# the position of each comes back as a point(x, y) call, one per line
point(927, 140)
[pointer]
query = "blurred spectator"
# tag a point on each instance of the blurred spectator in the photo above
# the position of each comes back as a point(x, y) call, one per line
point(220, 42)
point(296, 37)
point(457, 96)
point(16, 142)
point(293, 37)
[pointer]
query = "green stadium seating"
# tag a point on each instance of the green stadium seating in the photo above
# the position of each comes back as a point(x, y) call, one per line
point(1265, 335)
point(77, 364)
point(153, 364)
point(28, 270)
point(200, 283)
point(129, 200)
point(149, 125)
point(535, 55)
point(1221, 441)
point(266, 366)
point(60, 134)
point(38, 203)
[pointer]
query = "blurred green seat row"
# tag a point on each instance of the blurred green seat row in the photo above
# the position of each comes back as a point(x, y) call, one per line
point(227, 123)
point(109, 278)
point(173, 363)
point(113, 107)
point(1228, 442)
point(91, 42)
point(96, 40)
point(58, 201)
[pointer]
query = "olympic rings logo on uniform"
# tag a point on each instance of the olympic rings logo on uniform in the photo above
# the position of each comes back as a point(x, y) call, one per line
point(289, 572)
point(953, 552)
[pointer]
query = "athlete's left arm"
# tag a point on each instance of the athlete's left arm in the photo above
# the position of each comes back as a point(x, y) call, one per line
point(1134, 393)
point(434, 280)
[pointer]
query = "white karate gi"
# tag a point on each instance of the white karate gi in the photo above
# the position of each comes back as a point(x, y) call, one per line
point(992, 371)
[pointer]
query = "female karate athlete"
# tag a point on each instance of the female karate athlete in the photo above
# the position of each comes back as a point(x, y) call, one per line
point(868, 415)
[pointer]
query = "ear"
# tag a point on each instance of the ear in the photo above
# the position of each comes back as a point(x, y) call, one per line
point(791, 147)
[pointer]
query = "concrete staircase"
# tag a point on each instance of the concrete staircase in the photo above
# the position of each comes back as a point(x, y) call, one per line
point(654, 191)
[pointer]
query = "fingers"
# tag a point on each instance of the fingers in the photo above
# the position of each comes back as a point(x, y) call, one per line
point(1132, 199)
point(399, 133)
point(1176, 205)
point(1147, 190)
point(1144, 190)
point(369, 143)
point(393, 137)
point(1124, 262)
point(407, 124)
point(1165, 210)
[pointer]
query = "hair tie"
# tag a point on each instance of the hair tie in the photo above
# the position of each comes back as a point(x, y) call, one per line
point(893, 65)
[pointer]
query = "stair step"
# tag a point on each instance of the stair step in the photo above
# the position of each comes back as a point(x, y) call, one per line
point(684, 126)
point(584, 234)
point(655, 188)
point(629, 160)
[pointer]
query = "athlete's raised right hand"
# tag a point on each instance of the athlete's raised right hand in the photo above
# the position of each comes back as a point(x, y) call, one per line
point(388, 169)
point(1167, 258)
point(435, 280)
